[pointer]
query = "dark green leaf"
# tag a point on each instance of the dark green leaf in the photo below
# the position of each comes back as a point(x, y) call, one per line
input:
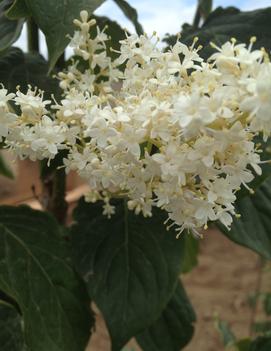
point(17, 10)
point(35, 270)
point(267, 304)
point(261, 344)
point(190, 259)
point(55, 19)
point(5, 170)
point(131, 14)
point(205, 7)
point(11, 335)
point(243, 344)
point(266, 167)
point(10, 30)
point(174, 328)
point(17, 68)
point(253, 229)
point(262, 327)
point(224, 23)
point(113, 30)
point(130, 265)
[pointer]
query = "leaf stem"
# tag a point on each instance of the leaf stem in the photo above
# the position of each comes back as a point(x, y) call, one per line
point(32, 36)
point(197, 17)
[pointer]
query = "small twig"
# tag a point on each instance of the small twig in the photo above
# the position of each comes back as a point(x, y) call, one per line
point(32, 36)
point(197, 18)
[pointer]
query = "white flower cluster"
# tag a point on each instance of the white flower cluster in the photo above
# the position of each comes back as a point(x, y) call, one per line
point(169, 130)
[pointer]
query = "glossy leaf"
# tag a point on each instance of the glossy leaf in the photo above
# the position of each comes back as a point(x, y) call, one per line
point(35, 271)
point(131, 14)
point(130, 265)
point(10, 30)
point(224, 23)
point(11, 335)
point(17, 68)
point(253, 229)
point(190, 259)
point(55, 19)
point(174, 328)
point(113, 30)
point(17, 10)
point(205, 7)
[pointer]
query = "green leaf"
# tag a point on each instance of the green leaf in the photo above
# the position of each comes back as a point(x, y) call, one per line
point(224, 23)
point(131, 14)
point(130, 265)
point(113, 30)
point(174, 328)
point(11, 336)
point(262, 327)
point(10, 30)
point(17, 10)
point(243, 344)
point(267, 304)
point(17, 68)
point(261, 344)
point(190, 259)
point(55, 19)
point(35, 271)
point(205, 7)
point(5, 170)
point(266, 167)
point(253, 228)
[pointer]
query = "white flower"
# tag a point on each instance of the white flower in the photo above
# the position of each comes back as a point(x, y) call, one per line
point(170, 130)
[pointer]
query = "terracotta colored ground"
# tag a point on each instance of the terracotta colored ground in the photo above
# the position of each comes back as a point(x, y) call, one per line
point(226, 274)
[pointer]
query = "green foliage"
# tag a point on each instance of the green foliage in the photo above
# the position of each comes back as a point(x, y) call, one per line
point(35, 271)
point(55, 19)
point(113, 30)
point(262, 327)
point(190, 259)
point(131, 14)
point(267, 304)
point(17, 10)
point(174, 328)
point(11, 336)
point(261, 344)
point(266, 167)
point(224, 23)
point(205, 7)
point(5, 170)
point(10, 30)
point(253, 228)
point(18, 68)
point(130, 265)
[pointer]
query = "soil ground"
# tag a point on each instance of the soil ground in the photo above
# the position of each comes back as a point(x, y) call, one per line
point(219, 285)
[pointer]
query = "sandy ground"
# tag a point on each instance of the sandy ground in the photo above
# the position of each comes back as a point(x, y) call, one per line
point(220, 284)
